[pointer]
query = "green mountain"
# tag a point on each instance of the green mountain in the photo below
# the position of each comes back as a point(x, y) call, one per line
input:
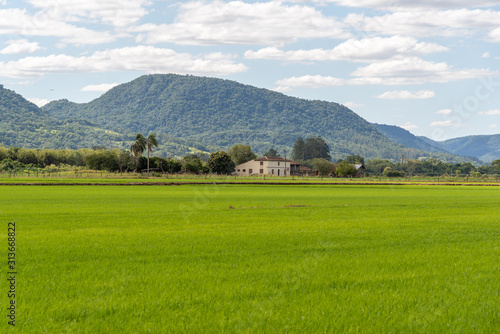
point(220, 113)
point(485, 148)
point(24, 124)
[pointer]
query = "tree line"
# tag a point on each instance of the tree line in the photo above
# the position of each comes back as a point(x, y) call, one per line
point(312, 152)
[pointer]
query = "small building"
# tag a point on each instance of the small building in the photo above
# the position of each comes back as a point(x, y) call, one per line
point(268, 166)
point(304, 170)
point(360, 170)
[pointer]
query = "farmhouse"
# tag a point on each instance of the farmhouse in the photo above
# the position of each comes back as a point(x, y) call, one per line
point(360, 168)
point(268, 166)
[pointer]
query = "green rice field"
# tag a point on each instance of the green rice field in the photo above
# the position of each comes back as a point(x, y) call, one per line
point(253, 259)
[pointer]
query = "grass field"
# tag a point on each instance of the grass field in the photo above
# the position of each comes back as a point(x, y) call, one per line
point(254, 258)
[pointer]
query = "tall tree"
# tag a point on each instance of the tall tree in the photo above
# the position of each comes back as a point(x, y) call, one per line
point(221, 163)
point(137, 148)
point(298, 152)
point(241, 154)
point(272, 153)
point(151, 141)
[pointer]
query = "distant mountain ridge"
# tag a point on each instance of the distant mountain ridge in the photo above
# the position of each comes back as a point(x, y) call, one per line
point(484, 148)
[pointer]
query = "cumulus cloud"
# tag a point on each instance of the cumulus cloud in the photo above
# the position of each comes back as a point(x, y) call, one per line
point(395, 5)
point(413, 70)
point(406, 95)
point(115, 12)
point(407, 71)
point(237, 22)
point(15, 21)
point(364, 50)
point(493, 126)
point(140, 58)
point(408, 126)
point(20, 46)
point(99, 88)
point(456, 22)
point(447, 123)
point(353, 105)
point(444, 112)
point(494, 112)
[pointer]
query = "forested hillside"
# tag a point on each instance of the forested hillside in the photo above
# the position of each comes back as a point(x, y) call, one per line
point(221, 113)
point(24, 124)
point(485, 148)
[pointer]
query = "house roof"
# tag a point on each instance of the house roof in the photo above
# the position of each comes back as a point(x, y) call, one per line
point(276, 159)
point(305, 169)
point(359, 166)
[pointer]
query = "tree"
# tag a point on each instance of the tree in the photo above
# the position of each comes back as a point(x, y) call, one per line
point(323, 166)
point(221, 163)
point(192, 163)
point(137, 148)
point(298, 152)
point(151, 141)
point(355, 159)
point(241, 154)
point(346, 169)
point(272, 153)
point(496, 164)
point(389, 172)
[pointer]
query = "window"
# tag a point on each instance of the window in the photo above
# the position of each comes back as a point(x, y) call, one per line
point(278, 171)
point(238, 170)
point(250, 171)
point(262, 163)
point(244, 170)
point(262, 171)
point(272, 171)
point(278, 163)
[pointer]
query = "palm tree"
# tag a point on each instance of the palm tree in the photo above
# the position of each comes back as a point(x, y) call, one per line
point(151, 141)
point(137, 148)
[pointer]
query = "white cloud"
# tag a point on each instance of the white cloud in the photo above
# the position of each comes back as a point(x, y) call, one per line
point(444, 112)
point(395, 5)
point(444, 124)
point(20, 46)
point(406, 95)
point(408, 126)
point(364, 50)
point(493, 126)
point(140, 58)
point(353, 105)
point(116, 12)
point(406, 71)
point(486, 55)
point(17, 22)
point(458, 22)
point(39, 102)
point(412, 70)
point(494, 112)
point(237, 22)
point(494, 35)
point(99, 88)
point(311, 81)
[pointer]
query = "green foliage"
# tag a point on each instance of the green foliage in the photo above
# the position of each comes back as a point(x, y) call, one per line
point(345, 169)
point(192, 164)
point(221, 163)
point(323, 166)
point(311, 148)
point(389, 172)
point(103, 160)
point(241, 154)
point(271, 153)
point(355, 159)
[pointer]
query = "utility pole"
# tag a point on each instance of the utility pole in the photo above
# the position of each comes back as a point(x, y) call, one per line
point(285, 162)
point(402, 157)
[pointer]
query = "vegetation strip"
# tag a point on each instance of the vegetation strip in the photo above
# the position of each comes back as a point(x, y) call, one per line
point(255, 183)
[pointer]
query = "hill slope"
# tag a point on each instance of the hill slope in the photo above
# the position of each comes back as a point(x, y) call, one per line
point(221, 113)
point(485, 148)
point(24, 124)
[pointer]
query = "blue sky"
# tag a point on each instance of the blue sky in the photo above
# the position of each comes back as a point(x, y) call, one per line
point(430, 67)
